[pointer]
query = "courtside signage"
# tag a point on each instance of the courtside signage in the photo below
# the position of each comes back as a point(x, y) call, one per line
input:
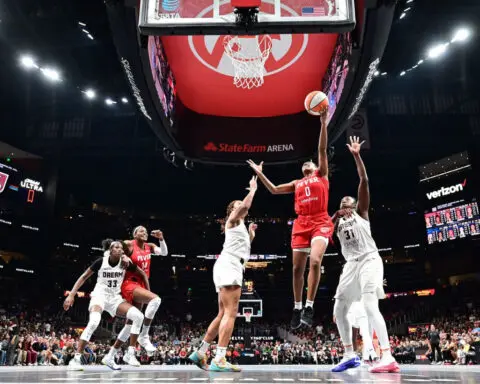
point(445, 191)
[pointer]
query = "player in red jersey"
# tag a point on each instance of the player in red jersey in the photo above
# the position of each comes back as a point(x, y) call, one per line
point(313, 227)
point(134, 290)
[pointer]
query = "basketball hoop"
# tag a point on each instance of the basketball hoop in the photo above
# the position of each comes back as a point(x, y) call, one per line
point(248, 317)
point(248, 55)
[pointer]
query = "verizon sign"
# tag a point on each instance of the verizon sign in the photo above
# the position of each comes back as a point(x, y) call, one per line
point(445, 191)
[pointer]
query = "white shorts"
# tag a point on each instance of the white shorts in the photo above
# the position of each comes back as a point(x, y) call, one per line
point(356, 313)
point(108, 303)
point(359, 277)
point(308, 250)
point(228, 270)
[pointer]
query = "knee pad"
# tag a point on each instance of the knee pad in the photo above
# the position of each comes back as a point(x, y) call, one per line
point(137, 319)
point(152, 307)
point(93, 323)
point(124, 334)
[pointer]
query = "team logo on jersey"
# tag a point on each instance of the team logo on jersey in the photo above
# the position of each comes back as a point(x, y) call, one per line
point(3, 181)
point(286, 49)
point(325, 230)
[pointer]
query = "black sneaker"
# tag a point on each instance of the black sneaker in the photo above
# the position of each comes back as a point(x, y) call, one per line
point(307, 316)
point(296, 323)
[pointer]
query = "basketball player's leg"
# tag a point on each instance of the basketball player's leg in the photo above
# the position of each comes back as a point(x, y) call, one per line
point(135, 317)
point(199, 357)
point(230, 297)
point(300, 250)
point(299, 262)
point(371, 281)
point(143, 296)
point(94, 318)
point(319, 246)
point(347, 292)
point(368, 351)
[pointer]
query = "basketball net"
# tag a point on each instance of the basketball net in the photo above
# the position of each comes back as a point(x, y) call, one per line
point(248, 317)
point(248, 55)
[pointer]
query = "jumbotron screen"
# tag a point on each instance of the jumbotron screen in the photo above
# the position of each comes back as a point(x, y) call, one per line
point(162, 77)
point(22, 192)
point(452, 222)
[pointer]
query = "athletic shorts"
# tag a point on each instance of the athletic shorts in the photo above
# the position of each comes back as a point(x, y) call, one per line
point(362, 276)
point(128, 287)
point(308, 229)
point(227, 271)
point(108, 303)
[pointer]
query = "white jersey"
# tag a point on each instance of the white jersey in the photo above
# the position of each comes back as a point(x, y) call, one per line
point(237, 242)
point(109, 279)
point(355, 237)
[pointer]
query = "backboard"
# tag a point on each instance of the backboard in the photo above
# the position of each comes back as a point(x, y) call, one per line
point(214, 17)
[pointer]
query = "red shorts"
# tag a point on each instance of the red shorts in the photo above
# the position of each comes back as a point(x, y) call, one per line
point(128, 287)
point(306, 228)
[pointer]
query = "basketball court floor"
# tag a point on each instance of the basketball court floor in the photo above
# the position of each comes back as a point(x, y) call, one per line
point(251, 374)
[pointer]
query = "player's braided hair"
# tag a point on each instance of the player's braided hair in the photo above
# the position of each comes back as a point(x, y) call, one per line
point(229, 211)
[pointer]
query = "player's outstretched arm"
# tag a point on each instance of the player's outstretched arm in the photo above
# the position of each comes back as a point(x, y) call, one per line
point(280, 189)
point(246, 203)
point(363, 203)
point(161, 250)
point(78, 284)
point(251, 231)
point(322, 146)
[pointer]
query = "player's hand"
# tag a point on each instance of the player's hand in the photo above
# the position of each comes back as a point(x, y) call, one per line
point(324, 117)
point(258, 168)
point(253, 184)
point(345, 212)
point(157, 234)
point(252, 228)
point(68, 302)
point(355, 145)
point(125, 261)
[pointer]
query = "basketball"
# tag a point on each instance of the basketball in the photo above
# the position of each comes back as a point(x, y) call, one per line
point(316, 103)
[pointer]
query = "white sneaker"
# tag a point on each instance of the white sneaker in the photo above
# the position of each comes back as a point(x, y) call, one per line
point(130, 359)
point(75, 364)
point(145, 342)
point(110, 363)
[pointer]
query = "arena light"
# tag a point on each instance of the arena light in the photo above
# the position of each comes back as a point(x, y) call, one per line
point(461, 35)
point(85, 31)
point(437, 50)
point(403, 15)
point(406, 9)
point(376, 73)
point(402, 73)
point(51, 74)
point(90, 36)
point(420, 62)
point(384, 73)
point(409, 1)
point(28, 62)
point(109, 101)
point(124, 100)
point(90, 93)
point(82, 24)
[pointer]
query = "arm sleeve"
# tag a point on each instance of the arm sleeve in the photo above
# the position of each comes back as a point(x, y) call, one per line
point(95, 267)
point(162, 250)
point(132, 267)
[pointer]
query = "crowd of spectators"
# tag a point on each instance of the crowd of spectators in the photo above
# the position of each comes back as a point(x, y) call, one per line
point(30, 338)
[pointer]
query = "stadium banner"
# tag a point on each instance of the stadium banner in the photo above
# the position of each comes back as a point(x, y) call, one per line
point(358, 126)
